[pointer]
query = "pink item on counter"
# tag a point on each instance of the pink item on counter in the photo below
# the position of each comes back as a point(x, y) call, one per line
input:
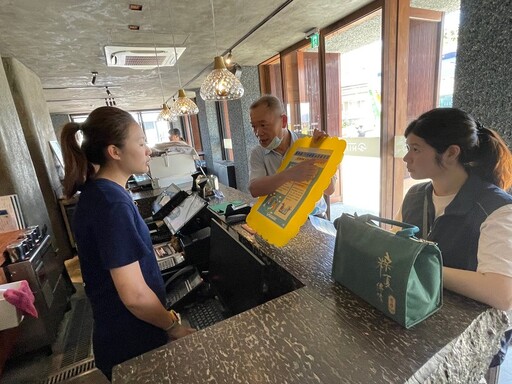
point(22, 298)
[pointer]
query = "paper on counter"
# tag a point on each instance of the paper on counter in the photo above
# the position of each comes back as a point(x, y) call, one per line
point(323, 225)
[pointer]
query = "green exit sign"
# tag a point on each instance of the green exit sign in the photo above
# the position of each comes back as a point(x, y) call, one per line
point(314, 39)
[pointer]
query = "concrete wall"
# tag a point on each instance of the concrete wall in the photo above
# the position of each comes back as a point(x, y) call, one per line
point(34, 117)
point(483, 85)
point(17, 173)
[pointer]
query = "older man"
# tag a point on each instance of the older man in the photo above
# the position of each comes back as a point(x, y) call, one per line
point(269, 123)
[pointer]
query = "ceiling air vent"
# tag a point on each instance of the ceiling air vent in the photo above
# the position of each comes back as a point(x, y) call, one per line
point(141, 57)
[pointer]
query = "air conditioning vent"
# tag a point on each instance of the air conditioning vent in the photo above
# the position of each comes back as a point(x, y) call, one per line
point(141, 57)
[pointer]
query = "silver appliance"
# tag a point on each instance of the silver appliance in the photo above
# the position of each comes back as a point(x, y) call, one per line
point(44, 271)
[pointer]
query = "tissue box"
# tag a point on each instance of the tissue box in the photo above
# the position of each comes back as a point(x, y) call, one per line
point(10, 316)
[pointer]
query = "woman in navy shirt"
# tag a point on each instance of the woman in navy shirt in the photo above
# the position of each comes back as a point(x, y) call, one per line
point(121, 276)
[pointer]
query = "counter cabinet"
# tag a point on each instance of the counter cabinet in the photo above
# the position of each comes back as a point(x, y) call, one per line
point(322, 333)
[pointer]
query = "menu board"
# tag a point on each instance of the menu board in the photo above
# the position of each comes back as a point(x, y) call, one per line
point(278, 216)
point(11, 218)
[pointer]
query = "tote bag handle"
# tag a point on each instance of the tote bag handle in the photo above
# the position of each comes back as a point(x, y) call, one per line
point(408, 230)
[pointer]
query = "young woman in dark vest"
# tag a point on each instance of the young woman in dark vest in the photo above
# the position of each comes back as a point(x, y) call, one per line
point(464, 207)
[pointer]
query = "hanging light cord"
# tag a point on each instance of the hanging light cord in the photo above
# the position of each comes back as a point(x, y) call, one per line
point(214, 35)
point(244, 37)
point(160, 77)
point(174, 44)
point(156, 55)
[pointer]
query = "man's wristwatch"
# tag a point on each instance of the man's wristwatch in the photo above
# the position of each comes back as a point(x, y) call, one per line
point(176, 319)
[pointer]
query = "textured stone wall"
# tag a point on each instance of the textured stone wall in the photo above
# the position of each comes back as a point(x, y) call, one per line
point(483, 74)
point(33, 114)
point(241, 131)
point(209, 128)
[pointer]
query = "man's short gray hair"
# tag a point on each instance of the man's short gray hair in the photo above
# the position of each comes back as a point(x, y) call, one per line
point(271, 102)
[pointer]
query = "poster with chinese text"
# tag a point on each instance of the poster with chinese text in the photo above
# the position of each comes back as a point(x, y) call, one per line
point(277, 217)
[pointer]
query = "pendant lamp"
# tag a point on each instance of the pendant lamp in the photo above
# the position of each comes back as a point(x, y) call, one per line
point(220, 84)
point(183, 106)
point(166, 113)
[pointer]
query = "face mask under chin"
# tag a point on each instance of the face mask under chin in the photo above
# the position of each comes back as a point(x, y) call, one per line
point(274, 143)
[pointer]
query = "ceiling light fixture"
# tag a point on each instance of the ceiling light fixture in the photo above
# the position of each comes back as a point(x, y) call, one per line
point(135, 7)
point(183, 106)
point(166, 113)
point(93, 80)
point(110, 101)
point(228, 60)
point(220, 84)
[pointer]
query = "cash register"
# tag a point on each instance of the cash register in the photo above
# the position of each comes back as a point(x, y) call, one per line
point(180, 235)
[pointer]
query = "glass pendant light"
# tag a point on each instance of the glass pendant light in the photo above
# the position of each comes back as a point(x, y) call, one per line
point(183, 106)
point(220, 84)
point(166, 113)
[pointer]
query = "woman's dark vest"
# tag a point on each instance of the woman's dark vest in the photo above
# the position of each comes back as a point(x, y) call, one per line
point(458, 230)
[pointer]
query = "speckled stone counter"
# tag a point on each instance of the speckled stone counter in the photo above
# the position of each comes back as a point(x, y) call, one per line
point(322, 333)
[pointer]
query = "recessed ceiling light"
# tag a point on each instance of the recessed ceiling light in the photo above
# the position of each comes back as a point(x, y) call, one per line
point(133, 27)
point(135, 7)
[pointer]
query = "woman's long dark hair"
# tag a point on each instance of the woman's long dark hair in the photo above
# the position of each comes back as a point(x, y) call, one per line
point(103, 127)
point(482, 150)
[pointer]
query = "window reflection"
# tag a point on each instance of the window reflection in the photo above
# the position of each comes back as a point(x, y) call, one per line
point(353, 86)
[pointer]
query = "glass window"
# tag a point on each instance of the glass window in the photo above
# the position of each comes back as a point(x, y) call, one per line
point(225, 130)
point(78, 118)
point(191, 132)
point(156, 131)
point(433, 40)
point(271, 80)
point(353, 86)
point(449, 57)
point(300, 71)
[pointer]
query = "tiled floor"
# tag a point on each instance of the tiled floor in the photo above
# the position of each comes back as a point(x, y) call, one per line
point(67, 363)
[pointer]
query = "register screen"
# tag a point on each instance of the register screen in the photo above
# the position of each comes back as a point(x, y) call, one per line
point(184, 212)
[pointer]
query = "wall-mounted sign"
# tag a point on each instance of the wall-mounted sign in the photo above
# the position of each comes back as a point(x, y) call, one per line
point(314, 39)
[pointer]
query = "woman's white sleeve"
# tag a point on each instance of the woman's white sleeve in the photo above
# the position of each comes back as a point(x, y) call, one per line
point(495, 243)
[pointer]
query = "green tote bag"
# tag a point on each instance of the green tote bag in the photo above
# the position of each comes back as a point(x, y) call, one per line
point(396, 273)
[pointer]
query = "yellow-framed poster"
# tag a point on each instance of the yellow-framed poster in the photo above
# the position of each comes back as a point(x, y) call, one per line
point(277, 217)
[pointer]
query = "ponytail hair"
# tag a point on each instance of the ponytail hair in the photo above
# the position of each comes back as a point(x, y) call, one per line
point(103, 127)
point(492, 159)
point(482, 151)
point(76, 166)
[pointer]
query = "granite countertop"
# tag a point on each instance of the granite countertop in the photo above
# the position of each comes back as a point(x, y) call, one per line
point(322, 333)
